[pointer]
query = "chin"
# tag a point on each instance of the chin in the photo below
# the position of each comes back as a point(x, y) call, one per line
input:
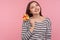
point(36, 12)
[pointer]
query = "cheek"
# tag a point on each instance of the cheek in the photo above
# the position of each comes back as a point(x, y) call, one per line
point(38, 7)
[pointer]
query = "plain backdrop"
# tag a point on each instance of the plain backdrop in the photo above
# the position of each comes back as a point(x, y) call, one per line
point(11, 13)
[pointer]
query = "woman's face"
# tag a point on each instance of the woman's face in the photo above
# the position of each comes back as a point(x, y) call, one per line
point(34, 8)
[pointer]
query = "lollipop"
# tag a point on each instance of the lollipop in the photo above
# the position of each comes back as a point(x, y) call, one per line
point(25, 17)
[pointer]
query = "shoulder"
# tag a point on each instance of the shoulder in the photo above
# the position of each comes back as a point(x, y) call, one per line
point(48, 20)
point(25, 21)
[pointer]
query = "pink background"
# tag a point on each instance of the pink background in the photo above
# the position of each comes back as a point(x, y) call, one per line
point(11, 12)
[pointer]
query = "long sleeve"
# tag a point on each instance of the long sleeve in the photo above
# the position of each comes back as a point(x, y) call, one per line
point(42, 30)
point(25, 31)
point(48, 31)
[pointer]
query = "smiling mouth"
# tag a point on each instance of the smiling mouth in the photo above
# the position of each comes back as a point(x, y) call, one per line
point(36, 10)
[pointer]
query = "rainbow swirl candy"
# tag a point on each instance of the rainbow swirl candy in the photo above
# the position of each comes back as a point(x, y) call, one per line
point(25, 17)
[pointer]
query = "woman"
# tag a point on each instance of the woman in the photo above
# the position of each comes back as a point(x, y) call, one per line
point(37, 27)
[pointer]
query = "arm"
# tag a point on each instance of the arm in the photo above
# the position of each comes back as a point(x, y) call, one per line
point(25, 32)
point(48, 31)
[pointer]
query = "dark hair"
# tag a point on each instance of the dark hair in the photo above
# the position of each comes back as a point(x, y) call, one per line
point(28, 10)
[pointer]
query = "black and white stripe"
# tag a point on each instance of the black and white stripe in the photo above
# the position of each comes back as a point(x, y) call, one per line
point(42, 30)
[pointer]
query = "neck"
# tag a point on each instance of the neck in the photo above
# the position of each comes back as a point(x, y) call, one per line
point(36, 16)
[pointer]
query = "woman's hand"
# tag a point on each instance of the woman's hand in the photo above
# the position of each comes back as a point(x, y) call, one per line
point(32, 23)
point(31, 29)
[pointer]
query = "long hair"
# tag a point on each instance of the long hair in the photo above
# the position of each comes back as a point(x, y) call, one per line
point(28, 10)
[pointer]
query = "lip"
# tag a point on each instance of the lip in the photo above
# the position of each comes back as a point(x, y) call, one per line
point(36, 10)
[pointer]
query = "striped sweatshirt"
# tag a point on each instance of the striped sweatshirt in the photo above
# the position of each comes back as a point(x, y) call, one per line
point(42, 30)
